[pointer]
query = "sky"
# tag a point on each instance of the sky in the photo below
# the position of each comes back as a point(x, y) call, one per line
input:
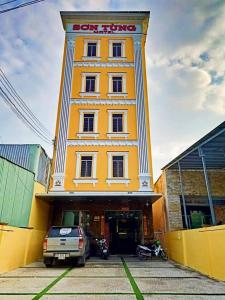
point(185, 56)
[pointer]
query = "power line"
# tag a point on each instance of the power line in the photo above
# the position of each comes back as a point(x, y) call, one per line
point(22, 114)
point(8, 2)
point(19, 6)
point(9, 102)
point(8, 86)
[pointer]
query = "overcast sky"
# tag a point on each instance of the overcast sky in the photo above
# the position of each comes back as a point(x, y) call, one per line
point(185, 63)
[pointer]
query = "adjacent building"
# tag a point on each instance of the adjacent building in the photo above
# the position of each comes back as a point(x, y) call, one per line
point(192, 186)
point(102, 165)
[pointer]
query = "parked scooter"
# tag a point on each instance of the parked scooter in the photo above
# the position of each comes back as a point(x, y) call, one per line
point(103, 248)
point(154, 249)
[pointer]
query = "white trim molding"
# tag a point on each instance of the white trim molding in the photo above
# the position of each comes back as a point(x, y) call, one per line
point(122, 49)
point(102, 143)
point(78, 179)
point(83, 133)
point(103, 102)
point(112, 179)
point(99, 64)
point(85, 56)
point(58, 182)
point(120, 181)
point(83, 92)
point(145, 182)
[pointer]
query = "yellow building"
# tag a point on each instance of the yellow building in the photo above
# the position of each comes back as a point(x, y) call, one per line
point(102, 167)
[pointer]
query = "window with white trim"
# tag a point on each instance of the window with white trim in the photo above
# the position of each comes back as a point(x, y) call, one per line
point(117, 49)
point(86, 168)
point(90, 84)
point(91, 50)
point(117, 84)
point(117, 168)
point(117, 123)
point(88, 124)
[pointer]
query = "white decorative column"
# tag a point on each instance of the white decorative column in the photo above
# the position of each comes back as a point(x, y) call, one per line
point(59, 172)
point(144, 175)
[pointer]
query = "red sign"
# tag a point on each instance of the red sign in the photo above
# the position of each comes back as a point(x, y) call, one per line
point(104, 28)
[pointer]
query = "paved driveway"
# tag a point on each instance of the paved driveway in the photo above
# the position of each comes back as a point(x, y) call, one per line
point(115, 279)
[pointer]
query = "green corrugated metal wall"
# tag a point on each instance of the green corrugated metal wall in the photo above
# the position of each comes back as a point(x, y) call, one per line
point(16, 191)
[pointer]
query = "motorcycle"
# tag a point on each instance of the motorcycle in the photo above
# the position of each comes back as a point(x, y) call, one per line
point(103, 248)
point(154, 249)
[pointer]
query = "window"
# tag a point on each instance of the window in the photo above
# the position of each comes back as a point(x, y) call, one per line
point(86, 166)
point(92, 49)
point(118, 166)
point(117, 84)
point(117, 49)
point(117, 123)
point(90, 84)
point(117, 120)
point(88, 125)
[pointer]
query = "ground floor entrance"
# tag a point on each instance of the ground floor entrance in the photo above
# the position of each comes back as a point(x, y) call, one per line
point(124, 230)
point(124, 224)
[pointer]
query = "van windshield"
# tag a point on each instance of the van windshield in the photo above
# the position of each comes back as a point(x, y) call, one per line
point(64, 232)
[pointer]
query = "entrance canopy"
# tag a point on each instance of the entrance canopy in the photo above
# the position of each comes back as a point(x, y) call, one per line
point(86, 196)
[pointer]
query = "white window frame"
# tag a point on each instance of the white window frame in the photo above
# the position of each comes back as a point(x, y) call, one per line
point(85, 56)
point(110, 180)
point(123, 55)
point(123, 133)
point(83, 92)
point(78, 179)
point(83, 133)
point(124, 84)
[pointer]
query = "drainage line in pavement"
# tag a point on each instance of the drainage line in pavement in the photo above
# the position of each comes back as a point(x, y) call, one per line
point(136, 290)
point(92, 294)
point(45, 290)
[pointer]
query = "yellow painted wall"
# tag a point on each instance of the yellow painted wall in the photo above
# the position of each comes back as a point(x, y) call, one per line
point(102, 169)
point(103, 82)
point(200, 249)
point(102, 120)
point(104, 47)
point(21, 246)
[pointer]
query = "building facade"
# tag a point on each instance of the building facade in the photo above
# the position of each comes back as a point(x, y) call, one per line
point(102, 166)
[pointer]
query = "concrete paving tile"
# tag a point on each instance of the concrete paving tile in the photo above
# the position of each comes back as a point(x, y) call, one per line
point(32, 272)
point(19, 297)
point(112, 258)
point(93, 285)
point(181, 285)
point(89, 297)
point(23, 285)
point(110, 265)
point(182, 297)
point(149, 264)
point(105, 272)
point(36, 264)
point(161, 272)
